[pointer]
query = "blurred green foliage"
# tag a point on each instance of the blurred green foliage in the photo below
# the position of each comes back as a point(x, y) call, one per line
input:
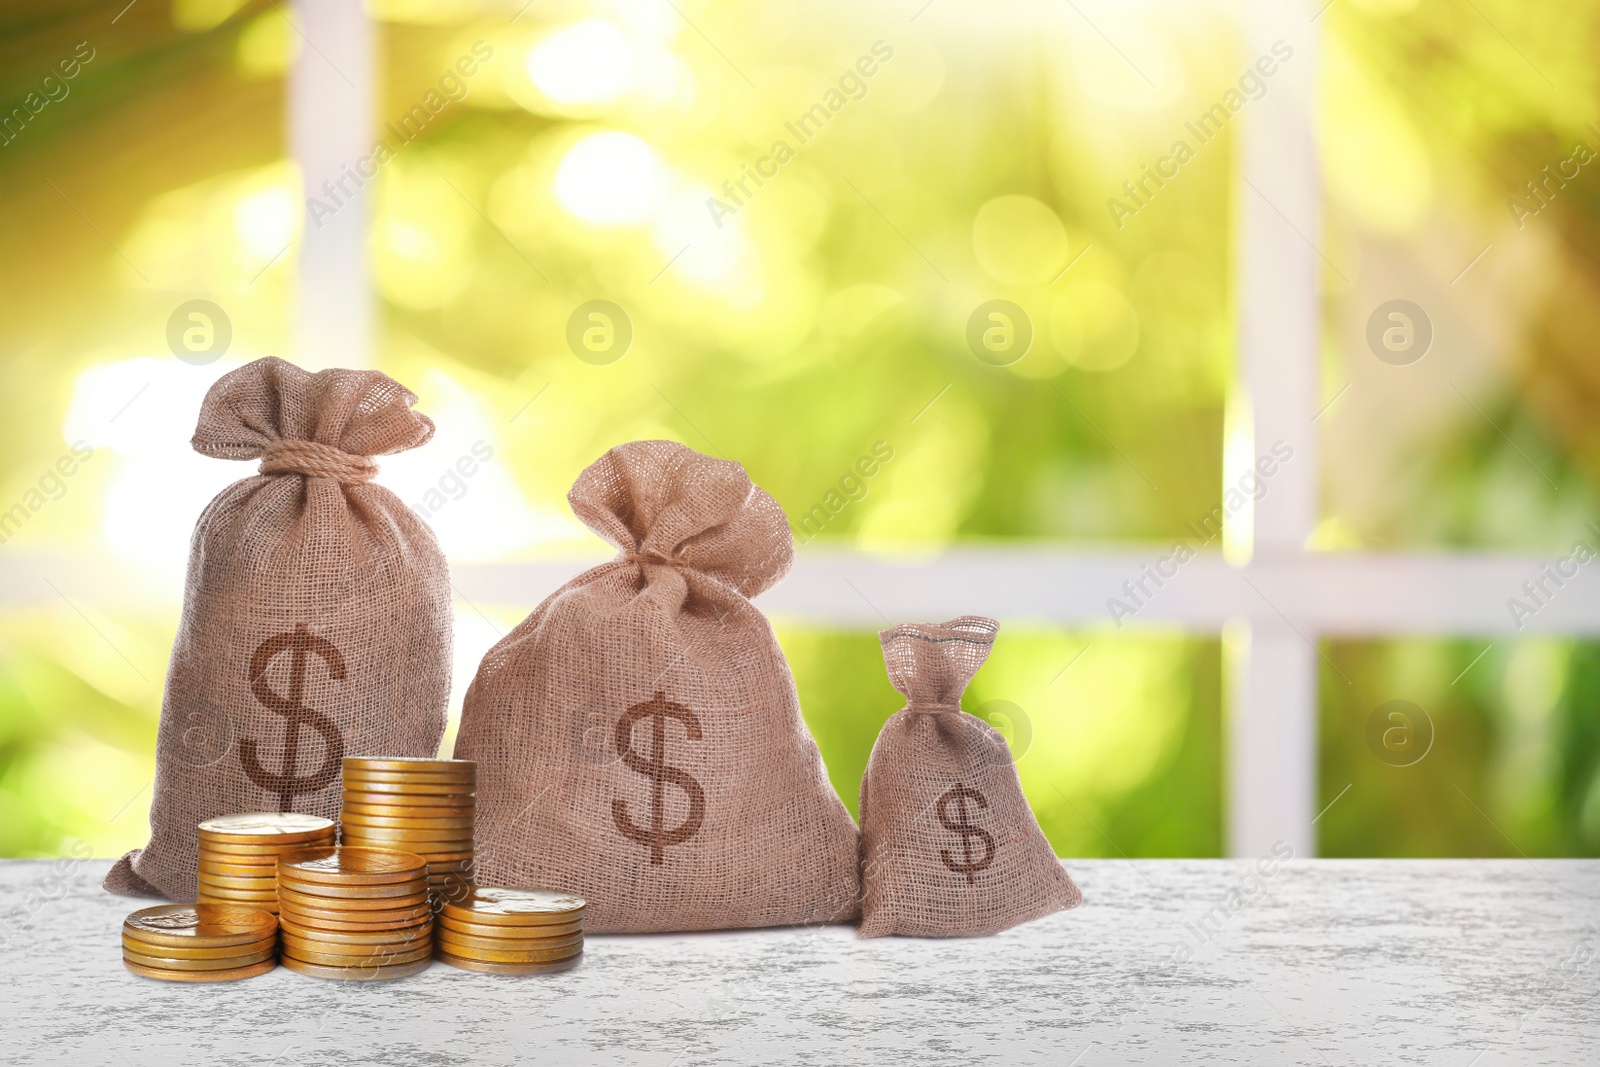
point(829, 313)
point(1514, 765)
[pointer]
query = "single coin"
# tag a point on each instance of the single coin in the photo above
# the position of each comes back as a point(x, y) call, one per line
point(266, 902)
point(407, 763)
point(437, 804)
point(387, 822)
point(483, 967)
point(409, 887)
point(484, 948)
point(513, 906)
point(412, 811)
point(265, 828)
point(239, 870)
point(415, 913)
point(173, 963)
point(414, 935)
point(363, 973)
point(517, 934)
point(405, 941)
point(313, 922)
point(357, 779)
point(369, 789)
point(294, 895)
point(231, 853)
point(166, 975)
point(313, 895)
point(349, 906)
point(212, 925)
point(424, 848)
point(261, 890)
point(374, 959)
point(185, 952)
point(347, 866)
point(315, 917)
point(236, 882)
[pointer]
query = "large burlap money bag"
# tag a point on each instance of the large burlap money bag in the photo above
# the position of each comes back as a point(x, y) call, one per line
point(316, 613)
point(949, 846)
point(638, 738)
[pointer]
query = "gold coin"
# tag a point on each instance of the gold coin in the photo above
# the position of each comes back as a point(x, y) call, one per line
point(389, 790)
point(415, 913)
point(403, 935)
point(408, 763)
point(517, 907)
point(314, 918)
point(394, 822)
point(185, 952)
point(517, 934)
point(483, 967)
point(265, 902)
point(309, 898)
point(199, 925)
point(358, 779)
point(380, 941)
point(265, 828)
point(381, 958)
point(315, 922)
point(229, 893)
point(402, 837)
point(409, 887)
point(425, 849)
point(239, 870)
point(174, 963)
point(412, 811)
point(231, 853)
point(234, 882)
point(492, 948)
point(414, 800)
point(363, 973)
point(166, 975)
point(345, 866)
point(366, 911)
point(349, 955)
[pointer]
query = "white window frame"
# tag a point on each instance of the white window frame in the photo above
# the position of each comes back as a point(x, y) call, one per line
point(1272, 608)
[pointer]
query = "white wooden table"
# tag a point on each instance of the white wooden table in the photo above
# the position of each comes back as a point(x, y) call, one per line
point(1455, 963)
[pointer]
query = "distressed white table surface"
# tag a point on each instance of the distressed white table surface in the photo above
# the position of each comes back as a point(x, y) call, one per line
point(1455, 963)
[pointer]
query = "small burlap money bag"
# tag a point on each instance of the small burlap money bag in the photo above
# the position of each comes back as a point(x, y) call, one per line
point(949, 846)
point(316, 613)
point(638, 738)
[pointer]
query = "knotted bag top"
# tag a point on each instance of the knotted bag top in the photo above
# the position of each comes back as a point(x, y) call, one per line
point(665, 505)
point(324, 425)
point(932, 662)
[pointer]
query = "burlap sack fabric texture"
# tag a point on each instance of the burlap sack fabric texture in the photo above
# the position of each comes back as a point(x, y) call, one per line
point(638, 737)
point(316, 613)
point(949, 846)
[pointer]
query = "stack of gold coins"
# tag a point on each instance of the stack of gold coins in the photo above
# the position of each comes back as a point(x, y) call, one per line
point(199, 942)
point(511, 931)
point(424, 806)
point(239, 854)
point(359, 913)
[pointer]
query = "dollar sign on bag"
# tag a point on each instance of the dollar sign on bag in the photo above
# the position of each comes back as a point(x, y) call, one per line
point(300, 643)
point(658, 710)
point(959, 795)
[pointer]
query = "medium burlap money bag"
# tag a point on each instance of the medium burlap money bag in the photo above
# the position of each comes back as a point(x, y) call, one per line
point(949, 846)
point(316, 613)
point(638, 738)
